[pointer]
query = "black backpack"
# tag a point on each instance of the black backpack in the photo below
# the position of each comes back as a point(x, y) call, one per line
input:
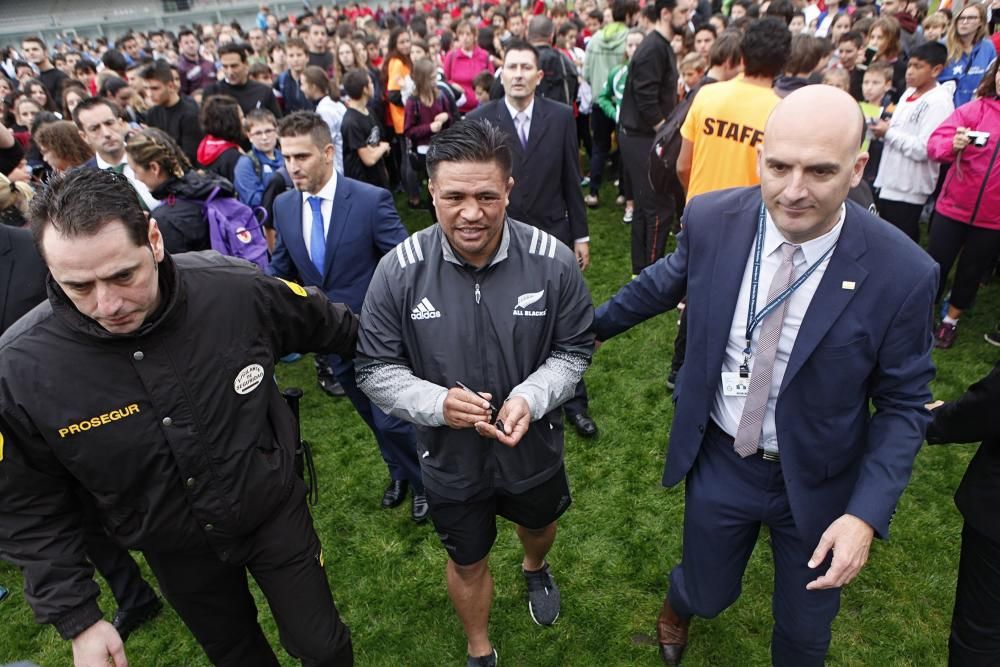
point(666, 149)
point(560, 82)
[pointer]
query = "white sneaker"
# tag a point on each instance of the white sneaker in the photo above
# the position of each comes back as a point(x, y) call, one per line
point(629, 213)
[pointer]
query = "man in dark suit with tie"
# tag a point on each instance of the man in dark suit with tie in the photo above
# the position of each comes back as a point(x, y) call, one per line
point(808, 309)
point(332, 231)
point(546, 194)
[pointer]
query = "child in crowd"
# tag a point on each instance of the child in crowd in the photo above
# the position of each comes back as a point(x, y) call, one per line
point(296, 57)
point(837, 77)
point(848, 52)
point(482, 84)
point(692, 69)
point(325, 95)
point(876, 88)
point(906, 176)
point(364, 149)
point(936, 26)
point(261, 73)
point(253, 170)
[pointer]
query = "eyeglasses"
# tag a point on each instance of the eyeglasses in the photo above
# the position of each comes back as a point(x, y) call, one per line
point(967, 19)
point(263, 133)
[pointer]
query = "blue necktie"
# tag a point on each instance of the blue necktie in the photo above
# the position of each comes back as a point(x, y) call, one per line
point(317, 237)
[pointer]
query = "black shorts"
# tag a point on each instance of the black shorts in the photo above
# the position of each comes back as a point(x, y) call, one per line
point(468, 528)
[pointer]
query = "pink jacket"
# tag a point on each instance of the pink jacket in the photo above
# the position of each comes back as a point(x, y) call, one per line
point(973, 178)
point(462, 69)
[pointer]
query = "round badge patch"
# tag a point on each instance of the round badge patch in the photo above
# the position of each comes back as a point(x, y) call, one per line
point(243, 235)
point(249, 379)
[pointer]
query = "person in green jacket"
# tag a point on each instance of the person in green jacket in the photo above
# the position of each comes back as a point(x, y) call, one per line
point(605, 50)
point(609, 102)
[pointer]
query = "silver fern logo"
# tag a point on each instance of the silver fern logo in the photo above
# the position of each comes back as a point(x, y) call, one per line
point(526, 300)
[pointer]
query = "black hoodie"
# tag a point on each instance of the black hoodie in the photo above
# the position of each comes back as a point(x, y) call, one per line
point(179, 215)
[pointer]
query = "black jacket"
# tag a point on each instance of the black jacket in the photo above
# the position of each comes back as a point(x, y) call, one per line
point(971, 418)
point(177, 431)
point(22, 275)
point(180, 122)
point(651, 87)
point(179, 214)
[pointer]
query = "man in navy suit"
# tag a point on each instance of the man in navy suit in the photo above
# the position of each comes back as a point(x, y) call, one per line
point(546, 170)
point(332, 231)
point(808, 308)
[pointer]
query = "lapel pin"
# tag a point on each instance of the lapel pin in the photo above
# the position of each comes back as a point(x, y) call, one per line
point(847, 284)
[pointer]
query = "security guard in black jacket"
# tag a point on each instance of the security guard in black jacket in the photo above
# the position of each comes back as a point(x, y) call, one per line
point(146, 380)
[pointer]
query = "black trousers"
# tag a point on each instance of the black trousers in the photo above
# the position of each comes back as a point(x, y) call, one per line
point(654, 212)
point(285, 558)
point(975, 623)
point(601, 128)
point(903, 215)
point(976, 250)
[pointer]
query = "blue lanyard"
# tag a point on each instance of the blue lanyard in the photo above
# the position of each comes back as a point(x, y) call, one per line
point(754, 320)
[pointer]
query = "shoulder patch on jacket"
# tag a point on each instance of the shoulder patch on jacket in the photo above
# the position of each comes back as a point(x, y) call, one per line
point(542, 244)
point(409, 251)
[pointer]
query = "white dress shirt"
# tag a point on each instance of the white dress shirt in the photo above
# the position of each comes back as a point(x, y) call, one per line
point(727, 410)
point(140, 187)
point(326, 194)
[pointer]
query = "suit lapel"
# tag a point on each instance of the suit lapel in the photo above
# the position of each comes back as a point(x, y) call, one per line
point(292, 233)
point(539, 125)
point(338, 221)
point(734, 237)
point(831, 296)
point(507, 123)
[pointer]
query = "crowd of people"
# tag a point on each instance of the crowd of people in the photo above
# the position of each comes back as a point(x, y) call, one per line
point(779, 128)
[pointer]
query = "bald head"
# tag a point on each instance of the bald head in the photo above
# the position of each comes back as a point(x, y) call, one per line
point(810, 159)
point(819, 109)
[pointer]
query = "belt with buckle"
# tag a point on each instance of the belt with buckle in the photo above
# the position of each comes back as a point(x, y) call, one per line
point(768, 455)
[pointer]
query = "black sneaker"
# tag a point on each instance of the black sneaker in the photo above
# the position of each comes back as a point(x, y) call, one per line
point(488, 660)
point(543, 596)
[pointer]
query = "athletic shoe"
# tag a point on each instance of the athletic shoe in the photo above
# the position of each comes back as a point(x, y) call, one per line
point(591, 201)
point(944, 337)
point(993, 337)
point(585, 181)
point(543, 596)
point(629, 214)
point(488, 660)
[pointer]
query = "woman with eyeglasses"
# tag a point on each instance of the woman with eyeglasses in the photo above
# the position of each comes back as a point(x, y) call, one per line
point(970, 53)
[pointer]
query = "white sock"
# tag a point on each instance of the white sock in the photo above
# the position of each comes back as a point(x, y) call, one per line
point(950, 320)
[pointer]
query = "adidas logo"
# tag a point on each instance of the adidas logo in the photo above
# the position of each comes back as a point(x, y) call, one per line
point(424, 311)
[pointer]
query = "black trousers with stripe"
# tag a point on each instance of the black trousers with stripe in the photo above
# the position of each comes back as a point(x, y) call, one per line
point(653, 213)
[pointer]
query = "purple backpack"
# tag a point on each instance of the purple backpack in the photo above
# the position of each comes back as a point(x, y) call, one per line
point(236, 229)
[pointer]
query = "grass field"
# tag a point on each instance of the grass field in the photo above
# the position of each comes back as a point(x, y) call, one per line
point(615, 545)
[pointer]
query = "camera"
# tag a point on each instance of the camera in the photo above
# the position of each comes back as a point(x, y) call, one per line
point(978, 139)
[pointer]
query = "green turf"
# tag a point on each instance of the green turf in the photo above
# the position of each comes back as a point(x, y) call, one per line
point(616, 544)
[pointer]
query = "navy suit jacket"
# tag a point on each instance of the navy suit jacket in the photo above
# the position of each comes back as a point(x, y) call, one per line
point(22, 275)
point(546, 190)
point(365, 225)
point(866, 336)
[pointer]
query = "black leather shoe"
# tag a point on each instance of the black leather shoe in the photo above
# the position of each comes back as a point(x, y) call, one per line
point(329, 385)
point(395, 493)
point(419, 509)
point(127, 621)
point(584, 425)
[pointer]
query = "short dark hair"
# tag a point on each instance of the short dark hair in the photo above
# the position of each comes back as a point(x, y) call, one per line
point(84, 65)
point(807, 52)
point(220, 117)
point(664, 4)
point(852, 36)
point(521, 45)
point(306, 122)
point(932, 53)
point(726, 49)
point(483, 80)
point(470, 141)
point(783, 9)
point(37, 40)
point(158, 70)
point(233, 47)
point(82, 201)
point(184, 32)
point(92, 102)
point(355, 81)
point(296, 43)
point(766, 46)
point(707, 27)
point(115, 61)
point(621, 9)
